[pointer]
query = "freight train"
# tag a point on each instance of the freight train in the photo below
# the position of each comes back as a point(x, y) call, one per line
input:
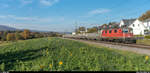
point(120, 35)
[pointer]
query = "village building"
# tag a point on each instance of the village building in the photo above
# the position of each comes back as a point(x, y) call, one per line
point(73, 33)
point(126, 22)
point(147, 25)
point(139, 27)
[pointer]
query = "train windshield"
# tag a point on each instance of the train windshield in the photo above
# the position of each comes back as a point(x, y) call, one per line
point(125, 30)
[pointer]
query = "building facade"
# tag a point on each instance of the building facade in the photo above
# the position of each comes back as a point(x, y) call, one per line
point(139, 27)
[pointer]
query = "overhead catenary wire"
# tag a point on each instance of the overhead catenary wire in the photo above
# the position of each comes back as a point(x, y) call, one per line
point(129, 13)
point(110, 19)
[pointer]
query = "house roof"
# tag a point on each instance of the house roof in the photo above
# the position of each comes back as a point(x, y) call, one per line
point(147, 20)
point(128, 21)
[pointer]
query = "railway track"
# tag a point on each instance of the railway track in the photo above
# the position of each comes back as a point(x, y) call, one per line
point(121, 44)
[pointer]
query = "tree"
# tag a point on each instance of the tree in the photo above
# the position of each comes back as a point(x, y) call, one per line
point(145, 16)
point(80, 29)
point(17, 36)
point(4, 35)
point(10, 37)
point(26, 34)
point(92, 30)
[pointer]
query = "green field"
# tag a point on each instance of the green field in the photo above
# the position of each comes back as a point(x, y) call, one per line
point(55, 54)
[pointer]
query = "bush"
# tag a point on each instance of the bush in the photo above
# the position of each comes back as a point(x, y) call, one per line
point(147, 37)
point(10, 37)
point(18, 36)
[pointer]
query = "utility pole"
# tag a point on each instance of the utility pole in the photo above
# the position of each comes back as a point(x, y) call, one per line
point(76, 26)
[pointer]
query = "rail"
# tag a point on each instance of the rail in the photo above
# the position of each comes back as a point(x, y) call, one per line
point(114, 43)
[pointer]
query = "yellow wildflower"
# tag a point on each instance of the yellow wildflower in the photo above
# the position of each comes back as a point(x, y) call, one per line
point(47, 51)
point(60, 63)
point(146, 58)
point(50, 65)
point(41, 66)
point(71, 54)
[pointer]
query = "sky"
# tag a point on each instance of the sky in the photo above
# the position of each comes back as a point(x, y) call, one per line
point(66, 15)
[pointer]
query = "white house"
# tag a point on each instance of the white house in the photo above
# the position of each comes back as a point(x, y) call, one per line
point(147, 23)
point(126, 22)
point(139, 27)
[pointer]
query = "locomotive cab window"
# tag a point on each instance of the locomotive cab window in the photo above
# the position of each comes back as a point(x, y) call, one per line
point(109, 31)
point(125, 31)
point(115, 31)
point(105, 31)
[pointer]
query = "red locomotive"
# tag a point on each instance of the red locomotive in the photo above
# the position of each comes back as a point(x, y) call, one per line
point(124, 35)
point(121, 35)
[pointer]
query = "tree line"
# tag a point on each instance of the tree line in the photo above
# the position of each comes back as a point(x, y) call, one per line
point(25, 34)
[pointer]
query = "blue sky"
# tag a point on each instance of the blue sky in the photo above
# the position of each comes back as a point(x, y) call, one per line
point(65, 15)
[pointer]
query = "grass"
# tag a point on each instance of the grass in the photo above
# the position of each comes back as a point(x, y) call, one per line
point(55, 54)
point(4, 43)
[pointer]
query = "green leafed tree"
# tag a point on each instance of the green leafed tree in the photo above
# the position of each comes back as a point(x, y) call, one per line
point(80, 29)
point(17, 36)
point(92, 30)
point(4, 36)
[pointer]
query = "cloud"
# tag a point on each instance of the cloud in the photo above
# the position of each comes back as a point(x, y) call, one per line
point(26, 1)
point(4, 5)
point(31, 19)
point(45, 23)
point(13, 17)
point(48, 2)
point(96, 12)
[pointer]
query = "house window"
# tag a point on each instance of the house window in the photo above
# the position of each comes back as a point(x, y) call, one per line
point(133, 25)
point(145, 31)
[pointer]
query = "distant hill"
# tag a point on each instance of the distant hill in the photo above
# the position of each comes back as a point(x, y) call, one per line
point(7, 28)
point(4, 28)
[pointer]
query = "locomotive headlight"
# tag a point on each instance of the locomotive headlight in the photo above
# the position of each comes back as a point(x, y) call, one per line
point(129, 36)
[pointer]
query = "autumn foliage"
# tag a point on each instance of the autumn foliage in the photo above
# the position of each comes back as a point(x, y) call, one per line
point(145, 16)
point(10, 37)
point(26, 34)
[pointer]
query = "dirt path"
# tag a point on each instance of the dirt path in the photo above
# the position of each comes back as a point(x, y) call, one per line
point(124, 48)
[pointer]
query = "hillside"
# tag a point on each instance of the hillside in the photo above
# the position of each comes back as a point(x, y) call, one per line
point(4, 28)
